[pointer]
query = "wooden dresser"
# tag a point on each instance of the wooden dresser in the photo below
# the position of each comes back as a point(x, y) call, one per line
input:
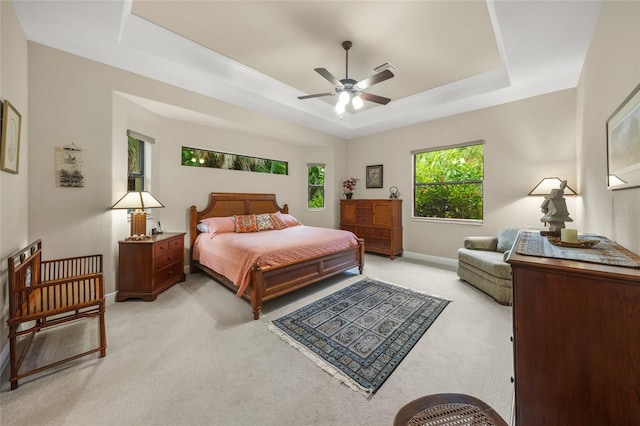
point(147, 268)
point(378, 222)
point(576, 329)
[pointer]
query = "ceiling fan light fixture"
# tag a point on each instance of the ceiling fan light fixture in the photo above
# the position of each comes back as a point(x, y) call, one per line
point(350, 90)
point(357, 102)
point(344, 98)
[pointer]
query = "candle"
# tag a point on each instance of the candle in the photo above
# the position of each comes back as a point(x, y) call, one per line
point(569, 235)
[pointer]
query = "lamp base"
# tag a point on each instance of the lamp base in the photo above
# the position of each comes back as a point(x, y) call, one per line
point(138, 223)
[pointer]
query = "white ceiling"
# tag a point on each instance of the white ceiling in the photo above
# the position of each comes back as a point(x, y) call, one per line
point(451, 56)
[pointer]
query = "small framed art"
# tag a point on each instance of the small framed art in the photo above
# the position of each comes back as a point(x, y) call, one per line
point(374, 176)
point(623, 144)
point(10, 149)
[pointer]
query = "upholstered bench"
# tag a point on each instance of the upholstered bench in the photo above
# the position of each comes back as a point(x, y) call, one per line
point(481, 263)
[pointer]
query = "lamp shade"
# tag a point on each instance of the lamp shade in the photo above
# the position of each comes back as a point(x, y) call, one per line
point(137, 200)
point(545, 186)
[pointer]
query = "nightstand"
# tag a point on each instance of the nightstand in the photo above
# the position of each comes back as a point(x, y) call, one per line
point(147, 268)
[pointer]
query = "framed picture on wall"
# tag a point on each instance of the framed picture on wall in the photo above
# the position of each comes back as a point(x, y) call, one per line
point(623, 144)
point(10, 149)
point(374, 176)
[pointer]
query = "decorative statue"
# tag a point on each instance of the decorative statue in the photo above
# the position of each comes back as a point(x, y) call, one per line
point(555, 211)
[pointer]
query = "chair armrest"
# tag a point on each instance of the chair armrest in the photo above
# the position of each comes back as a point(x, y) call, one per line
point(481, 243)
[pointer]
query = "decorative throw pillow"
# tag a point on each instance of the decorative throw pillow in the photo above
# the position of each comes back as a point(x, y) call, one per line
point(290, 220)
point(507, 236)
point(202, 228)
point(246, 223)
point(264, 222)
point(218, 225)
point(278, 222)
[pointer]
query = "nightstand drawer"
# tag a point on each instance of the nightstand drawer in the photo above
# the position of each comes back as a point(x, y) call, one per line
point(160, 247)
point(172, 273)
point(163, 259)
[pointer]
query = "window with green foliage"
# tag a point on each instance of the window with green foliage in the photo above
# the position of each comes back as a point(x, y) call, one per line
point(135, 171)
point(315, 193)
point(448, 182)
point(195, 157)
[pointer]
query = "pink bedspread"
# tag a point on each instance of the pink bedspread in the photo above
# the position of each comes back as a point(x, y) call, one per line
point(233, 255)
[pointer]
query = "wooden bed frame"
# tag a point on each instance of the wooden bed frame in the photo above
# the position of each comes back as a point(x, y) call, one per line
point(269, 284)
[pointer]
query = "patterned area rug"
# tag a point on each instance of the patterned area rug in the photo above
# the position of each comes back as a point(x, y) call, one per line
point(362, 332)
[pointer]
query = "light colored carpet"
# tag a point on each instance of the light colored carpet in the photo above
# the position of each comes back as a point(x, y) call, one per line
point(196, 357)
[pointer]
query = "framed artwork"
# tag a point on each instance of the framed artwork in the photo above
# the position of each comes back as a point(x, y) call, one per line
point(68, 166)
point(374, 176)
point(623, 144)
point(10, 149)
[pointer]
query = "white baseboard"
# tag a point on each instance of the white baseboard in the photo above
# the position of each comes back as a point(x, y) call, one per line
point(440, 261)
point(4, 358)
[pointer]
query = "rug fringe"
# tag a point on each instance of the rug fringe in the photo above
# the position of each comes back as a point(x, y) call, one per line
point(408, 288)
point(327, 367)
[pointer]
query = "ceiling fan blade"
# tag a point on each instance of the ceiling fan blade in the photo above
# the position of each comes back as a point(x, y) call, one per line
point(317, 95)
point(375, 98)
point(375, 79)
point(326, 74)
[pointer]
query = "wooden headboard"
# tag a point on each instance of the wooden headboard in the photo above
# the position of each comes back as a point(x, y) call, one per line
point(223, 204)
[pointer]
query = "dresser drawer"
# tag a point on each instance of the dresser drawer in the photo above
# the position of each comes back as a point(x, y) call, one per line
point(363, 231)
point(364, 220)
point(381, 232)
point(349, 228)
point(377, 243)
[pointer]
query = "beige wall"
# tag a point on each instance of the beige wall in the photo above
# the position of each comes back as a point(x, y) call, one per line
point(524, 142)
point(14, 205)
point(611, 71)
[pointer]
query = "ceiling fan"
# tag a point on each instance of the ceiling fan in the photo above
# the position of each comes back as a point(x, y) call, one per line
point(350, 90)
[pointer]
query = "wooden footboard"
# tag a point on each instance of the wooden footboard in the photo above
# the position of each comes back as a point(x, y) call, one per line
point(267, 284)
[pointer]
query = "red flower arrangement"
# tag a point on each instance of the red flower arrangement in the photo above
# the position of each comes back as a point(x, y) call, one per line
point(349, 185)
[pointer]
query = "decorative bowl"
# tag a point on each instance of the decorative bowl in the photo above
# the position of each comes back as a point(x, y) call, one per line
point(556, 241)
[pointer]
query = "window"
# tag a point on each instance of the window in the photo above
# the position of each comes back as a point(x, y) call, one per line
point(448, 182)
point(135, 173)
point(139, 167)
point(315, 192)
point(195, 157)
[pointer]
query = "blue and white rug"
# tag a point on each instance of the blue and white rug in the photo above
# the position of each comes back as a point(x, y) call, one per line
point(361, 333)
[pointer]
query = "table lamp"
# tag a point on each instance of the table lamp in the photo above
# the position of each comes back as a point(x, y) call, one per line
point(545, 186)
point(138, 201)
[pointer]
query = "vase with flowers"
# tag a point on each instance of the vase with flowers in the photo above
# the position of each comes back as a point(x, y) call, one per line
point(349, 186)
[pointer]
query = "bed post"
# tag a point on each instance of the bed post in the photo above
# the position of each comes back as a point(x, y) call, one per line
point(193, 233)
point(257, 290)
point(361, 254)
